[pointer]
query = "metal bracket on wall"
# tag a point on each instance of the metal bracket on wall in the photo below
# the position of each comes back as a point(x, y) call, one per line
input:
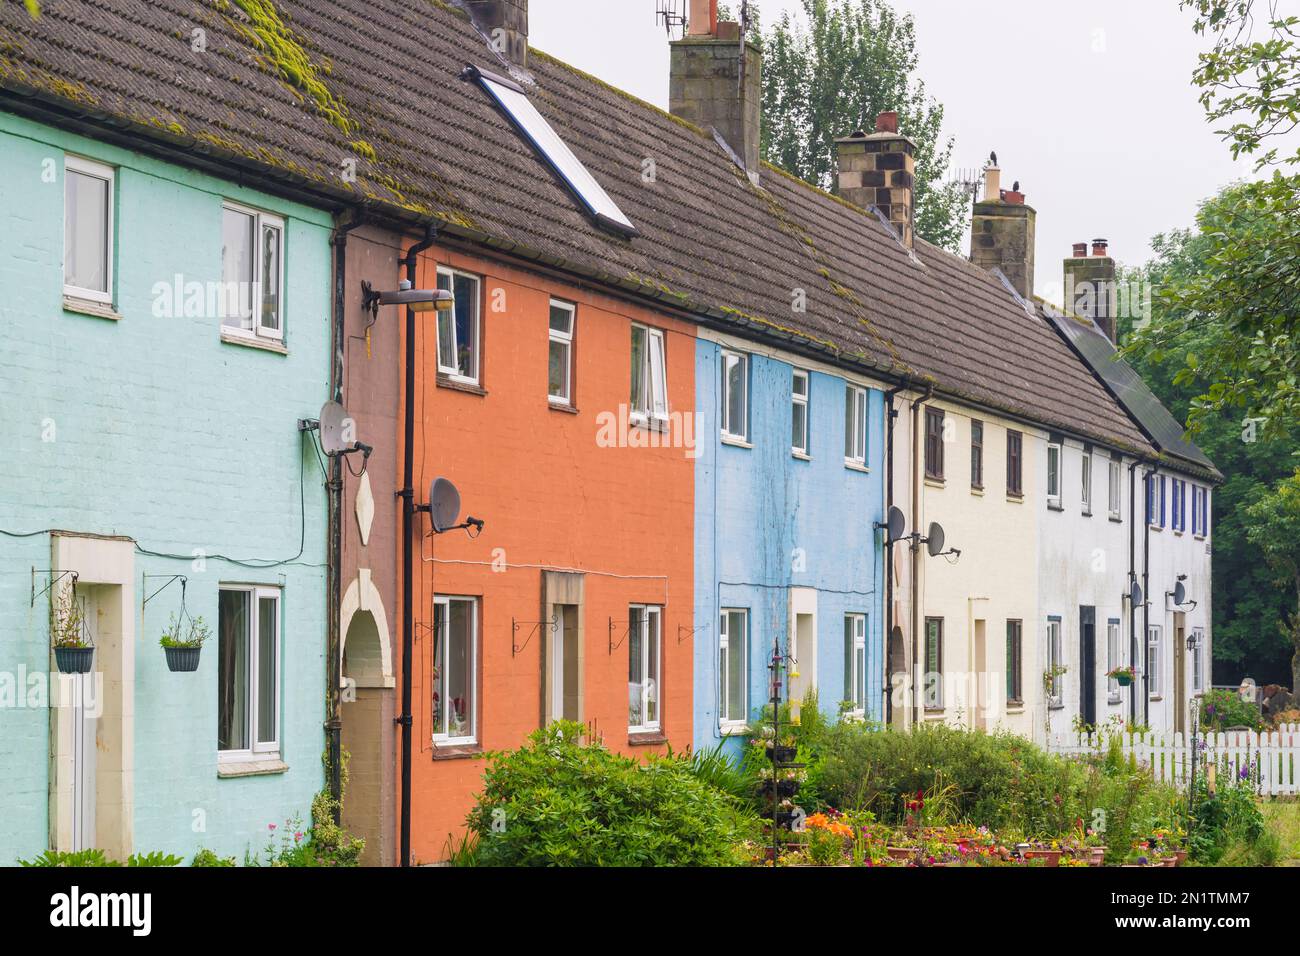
point(613, 624)
point(683, 632)
point(534, 627)
point(171, 579)
point(55, 577)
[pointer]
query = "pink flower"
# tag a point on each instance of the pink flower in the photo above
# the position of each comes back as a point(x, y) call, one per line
point(297, 837)
point(270, 826)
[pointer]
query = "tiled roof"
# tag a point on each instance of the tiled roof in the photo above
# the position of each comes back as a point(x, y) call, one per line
point(426, 144)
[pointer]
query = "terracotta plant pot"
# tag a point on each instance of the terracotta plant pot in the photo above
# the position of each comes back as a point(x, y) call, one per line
point(1096, 856)
point(181, 660)
point(1180, 856)
point(1049, 857)
point(74, 660)
point(903, 852)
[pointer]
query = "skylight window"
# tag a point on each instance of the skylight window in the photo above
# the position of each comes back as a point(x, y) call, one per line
point(511, 98)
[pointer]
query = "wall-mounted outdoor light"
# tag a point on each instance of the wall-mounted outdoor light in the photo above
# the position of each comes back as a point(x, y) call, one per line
point(417, 300)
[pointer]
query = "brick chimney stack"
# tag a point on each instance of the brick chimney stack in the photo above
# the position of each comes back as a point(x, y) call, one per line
point(506, 24)
point(716, 81)
point(879, 169)
point(1090, 290)
point(1003, 232)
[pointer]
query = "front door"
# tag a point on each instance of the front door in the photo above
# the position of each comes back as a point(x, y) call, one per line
point(1180, 673)
point(1088, 665)
point(85, 728)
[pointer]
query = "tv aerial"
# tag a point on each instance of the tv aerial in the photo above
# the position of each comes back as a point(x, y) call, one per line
point(666, 13)
point(444, 509)
point(337, 432)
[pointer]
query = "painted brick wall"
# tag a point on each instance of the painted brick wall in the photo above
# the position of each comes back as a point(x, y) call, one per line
point(162, 433)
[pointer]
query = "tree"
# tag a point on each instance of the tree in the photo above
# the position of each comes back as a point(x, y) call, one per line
point(1275, 531)
point(830, 73)
point(1249, 283)
point(1247, 605)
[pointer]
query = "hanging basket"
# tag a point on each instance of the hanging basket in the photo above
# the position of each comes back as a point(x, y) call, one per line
point(1124, 680)
point(182, 660)
point(74, 660)
point(781, 755)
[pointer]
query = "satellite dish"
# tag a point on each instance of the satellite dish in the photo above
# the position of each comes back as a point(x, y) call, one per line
point(1135, 593)
point(935, 545)
point(1180, 594)
point(895, 523)
point(336, 429)
point(444, 505)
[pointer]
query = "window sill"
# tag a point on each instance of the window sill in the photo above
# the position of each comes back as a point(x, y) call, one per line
point(1117, 519)
point(251, 768)
point(802, 456)
point(251, 342)
point(735, 442)
point(646, 424)
point(1087, 512)
point(649, 738)
point(977, 491)
point(457, 751)
point(1199, 537)
point(564, 407)
point(934, 713)
point(97, 310)
point(1015, 499)
point(1055, 506)
point(1114, 699)
point(1015, 705)
point(1060, 705)
point(1177, 533)
point(1157, 698)
point(855, 466)
point(732, 730)
point(933, 482)
point(446, 381)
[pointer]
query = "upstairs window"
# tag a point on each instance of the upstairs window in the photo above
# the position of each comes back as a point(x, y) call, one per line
point(252, 272)
point(458, 329)
point(934, 443)
point(649, 385)
point(1155, 500)
point(87, 230)
point(1115, 504)
point(1054, 455)
point(1178, 510)
point(799, 413)
point(977, 455)
point(855, 426)
point(1015, 486)
point(559, 370)
point(735, 396)
point(1086, 477)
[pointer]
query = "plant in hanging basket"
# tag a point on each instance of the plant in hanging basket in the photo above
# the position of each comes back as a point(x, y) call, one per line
point(1121, 675)
point(781, 754)
point(73, 652)
point(182, 646)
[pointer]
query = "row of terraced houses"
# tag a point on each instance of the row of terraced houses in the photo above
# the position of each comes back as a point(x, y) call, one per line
point(703, 410)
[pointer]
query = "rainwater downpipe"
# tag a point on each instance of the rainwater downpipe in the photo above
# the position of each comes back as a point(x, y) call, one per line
point(1132, 577)
point(1146, 593)
point(917, 403)
point(891, 413)
point(407, 494)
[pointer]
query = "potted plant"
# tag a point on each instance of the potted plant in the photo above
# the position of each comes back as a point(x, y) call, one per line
point(73, 652)
point(1121, 675)
point(182, 646)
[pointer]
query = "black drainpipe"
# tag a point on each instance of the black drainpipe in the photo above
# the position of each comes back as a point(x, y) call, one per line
point(917, 404)
point(1146, 596)
point(334, 532)
point(1132, 576)
point(891, 413)
point(407, 494)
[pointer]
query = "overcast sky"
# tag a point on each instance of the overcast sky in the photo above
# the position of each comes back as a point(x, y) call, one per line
point(1088, 104)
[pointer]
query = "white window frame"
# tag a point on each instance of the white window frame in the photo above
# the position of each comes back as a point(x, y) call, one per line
point(1054, 450)
point(1154, 666)
point(1198, 659)
point(1116, 486)
point(1085, 477)
point(261, 218)
point(88, 167)
point(265, 750)
point(442, 605)
point(657, 612)
point(856, 679)
point(654, 377)
point(735, 431)
point(1114, 637)
point(855, 427)
point(1055, 659)
point(798, 400)
point(554, 336)
point(730, 723)
point(932, 681)
point(453, 372)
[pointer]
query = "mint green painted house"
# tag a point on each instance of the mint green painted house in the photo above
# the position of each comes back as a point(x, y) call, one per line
point(165, 331)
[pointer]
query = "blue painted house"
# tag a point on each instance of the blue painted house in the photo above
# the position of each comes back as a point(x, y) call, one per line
point(789, 484)
point(165, 332)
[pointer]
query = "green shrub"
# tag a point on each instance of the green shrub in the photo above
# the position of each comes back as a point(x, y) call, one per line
point(1221, 709)
point(1228, 828)
point(208, 858)
point(95, 858)
point(562, 801)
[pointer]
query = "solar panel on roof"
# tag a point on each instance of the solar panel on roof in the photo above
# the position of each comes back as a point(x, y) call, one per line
point(1133, 393)
point(515, 103)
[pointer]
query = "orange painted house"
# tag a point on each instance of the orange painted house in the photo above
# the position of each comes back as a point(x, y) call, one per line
point(581, 580)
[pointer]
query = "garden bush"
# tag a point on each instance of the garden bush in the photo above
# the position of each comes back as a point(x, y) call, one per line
point(1228, 827)
point(1221, 709)
point(561, 800)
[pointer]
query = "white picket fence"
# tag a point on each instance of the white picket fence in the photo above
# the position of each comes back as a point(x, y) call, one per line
point(1271, 759)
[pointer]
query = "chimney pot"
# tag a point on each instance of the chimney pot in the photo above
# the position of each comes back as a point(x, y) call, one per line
point(992, 184)
point(1099, 247)
point(887, 122)
point(702, 18)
